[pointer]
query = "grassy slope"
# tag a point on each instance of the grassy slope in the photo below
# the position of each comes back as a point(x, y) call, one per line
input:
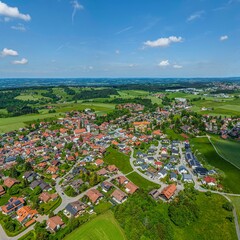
point(228, 149)
point(174, 135)
point(14, 123)
point(103, 227)
point(119, 159)
point(212, 223)
point(226, 107)
point(232, 174)
point(236, 203)
point(142, 182)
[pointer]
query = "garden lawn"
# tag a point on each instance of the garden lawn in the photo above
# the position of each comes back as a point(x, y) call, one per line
point(120, 160)
point(28, 236)
point(103, 227)
point(232, 174)
point(212, 223)
point(227, 149)
point(142, 182)
point(51, 205)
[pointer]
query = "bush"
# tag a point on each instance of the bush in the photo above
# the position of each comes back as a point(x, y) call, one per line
point(228, 206)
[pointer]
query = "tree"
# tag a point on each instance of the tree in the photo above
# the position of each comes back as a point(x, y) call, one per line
point(14, 190)
point(28, 166)
point(37, 190)
point(10, 226)
point(13, 172)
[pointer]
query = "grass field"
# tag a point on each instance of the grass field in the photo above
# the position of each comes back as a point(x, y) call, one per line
point(232, 174)
point(14, 123)
point(224, 107)
point(120, 160)
point(212, 223)
point(142, 182)
point(174, 135)
point(229, 150)
point(132, 93)
point(103, 227)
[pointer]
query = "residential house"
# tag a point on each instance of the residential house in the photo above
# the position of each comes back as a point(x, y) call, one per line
point(26, 213)
point(9, 182)
point(75, 209)
point(182, 170)
point(46, 197)
point(2, 191)
point(155, 194)
point(30, 176)
point(99, 162)
point(169, 191)
point(119, 196)
point(173, 176)
point(112, 168)
point(131, 188)
point(210, 181)
point(122, 180)
point(54, 223)
point(106, 186)
point(102, 172)
point(187, 178)
point(52, 169)
point(94, 195)
point(162, 173)
point(76, 184)
point(200, 171)
point(12, 205)
point(44, 186)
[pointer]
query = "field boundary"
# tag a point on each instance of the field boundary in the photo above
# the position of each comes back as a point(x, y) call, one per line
point(209, 139)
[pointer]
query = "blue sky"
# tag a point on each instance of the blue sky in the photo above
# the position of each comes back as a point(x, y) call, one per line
point(119, 38)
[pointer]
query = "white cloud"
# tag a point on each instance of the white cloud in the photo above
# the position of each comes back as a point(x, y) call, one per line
point(177, 66)
point(117, 51)
point(19, 27)
point(124, 30)
point(76, 6)
point(164, 63)
point(12, 12)
point(23, 61)
point(223, 38)
point(132, 65)
point(195, 16)
point(9, 52)
point(163, 42)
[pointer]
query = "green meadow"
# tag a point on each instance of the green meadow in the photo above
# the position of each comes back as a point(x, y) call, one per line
point(120, 160)
point(14, 123)
point(142, 182)
point(208, 153)
point(229, 150)
point(103, 227)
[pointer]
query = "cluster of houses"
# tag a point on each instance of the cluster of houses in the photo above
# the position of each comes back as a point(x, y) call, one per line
point(24, 214)
point(74, 145)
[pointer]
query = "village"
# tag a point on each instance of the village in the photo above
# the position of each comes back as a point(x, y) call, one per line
point(55, 170)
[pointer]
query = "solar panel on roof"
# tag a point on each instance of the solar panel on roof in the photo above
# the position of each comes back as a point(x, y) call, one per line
point(17, 202)
point(10, 206)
